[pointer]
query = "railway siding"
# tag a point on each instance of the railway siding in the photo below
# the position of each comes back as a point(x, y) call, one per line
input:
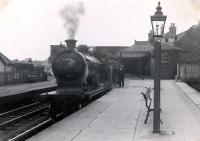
point(14, 96)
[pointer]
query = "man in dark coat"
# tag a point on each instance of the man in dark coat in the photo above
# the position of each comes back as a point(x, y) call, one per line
point(121, 76)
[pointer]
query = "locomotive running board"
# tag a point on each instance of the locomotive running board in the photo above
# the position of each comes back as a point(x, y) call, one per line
point(93, 93)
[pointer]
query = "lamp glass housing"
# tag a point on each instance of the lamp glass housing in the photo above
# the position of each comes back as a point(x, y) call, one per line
point(158, 22)
point(158, 27)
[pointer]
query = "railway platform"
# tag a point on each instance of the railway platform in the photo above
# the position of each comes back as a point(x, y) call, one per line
point(120, 114)
point(22, 88)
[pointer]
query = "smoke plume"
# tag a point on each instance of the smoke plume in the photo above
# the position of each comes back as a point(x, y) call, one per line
point(71, 14)
point(3, 3)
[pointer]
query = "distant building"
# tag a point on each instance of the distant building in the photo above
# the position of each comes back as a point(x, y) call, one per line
point(112, 51)
point(5, 63)
point(15, 72)
point(21, 66)
point(55, 50)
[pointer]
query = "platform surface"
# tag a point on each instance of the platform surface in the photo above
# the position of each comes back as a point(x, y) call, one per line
point(19, 88)
point(120, 115)
point(191, 93)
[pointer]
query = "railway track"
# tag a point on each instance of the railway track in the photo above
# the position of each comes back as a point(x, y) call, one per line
point(25, 121)
point(18, 123)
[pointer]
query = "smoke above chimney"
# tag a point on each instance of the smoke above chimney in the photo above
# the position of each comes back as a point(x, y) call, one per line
point(3, 3)
point(71, 14)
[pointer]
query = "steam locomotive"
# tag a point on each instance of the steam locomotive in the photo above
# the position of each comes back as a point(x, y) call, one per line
point(80, 77)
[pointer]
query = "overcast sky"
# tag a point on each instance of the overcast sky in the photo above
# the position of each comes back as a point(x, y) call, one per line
point(29, 27)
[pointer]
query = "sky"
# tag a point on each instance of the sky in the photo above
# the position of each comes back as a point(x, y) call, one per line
point(29, 27)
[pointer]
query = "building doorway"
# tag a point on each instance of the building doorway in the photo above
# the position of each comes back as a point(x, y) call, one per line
point(137, 66)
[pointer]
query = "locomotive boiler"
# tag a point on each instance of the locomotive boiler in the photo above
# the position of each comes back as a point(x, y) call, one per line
point(80, 76)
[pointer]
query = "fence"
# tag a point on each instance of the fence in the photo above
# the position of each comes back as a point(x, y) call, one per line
point(7, 78)
point(188, 72)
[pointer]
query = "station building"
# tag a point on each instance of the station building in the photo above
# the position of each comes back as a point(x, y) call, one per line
point(139, 58)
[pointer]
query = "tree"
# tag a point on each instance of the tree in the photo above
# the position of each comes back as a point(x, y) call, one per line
point(83, 48)
point(190, 45)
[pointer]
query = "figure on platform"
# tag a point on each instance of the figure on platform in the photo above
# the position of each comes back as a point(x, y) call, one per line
point(115, 74)
point(121, 76)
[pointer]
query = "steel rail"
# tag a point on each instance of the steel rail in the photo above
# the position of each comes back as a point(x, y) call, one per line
point(17, 137)
point(20, 108)
point(19, 117)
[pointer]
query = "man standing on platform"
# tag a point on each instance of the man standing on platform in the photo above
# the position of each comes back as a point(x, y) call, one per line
point(121, 76)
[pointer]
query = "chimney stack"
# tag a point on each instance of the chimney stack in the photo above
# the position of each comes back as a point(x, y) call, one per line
point(71, 44)
point(172, 30)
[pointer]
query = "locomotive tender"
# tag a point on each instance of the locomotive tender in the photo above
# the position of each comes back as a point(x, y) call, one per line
point(80, 76)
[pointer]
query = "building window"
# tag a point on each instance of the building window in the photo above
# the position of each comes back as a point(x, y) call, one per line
point(165, 57)
point(1, 78)
point(16, 76)
point(175, 38)
point(10, 77)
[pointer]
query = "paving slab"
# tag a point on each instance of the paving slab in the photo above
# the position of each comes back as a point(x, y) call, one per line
point(120, 115)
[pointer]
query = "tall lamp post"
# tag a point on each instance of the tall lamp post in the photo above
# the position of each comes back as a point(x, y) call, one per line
point(158, 24)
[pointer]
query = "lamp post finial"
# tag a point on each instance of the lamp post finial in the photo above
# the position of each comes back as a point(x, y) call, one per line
point(159, 9)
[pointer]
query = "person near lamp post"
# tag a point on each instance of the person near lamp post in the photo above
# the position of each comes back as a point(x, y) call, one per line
point(121, 76)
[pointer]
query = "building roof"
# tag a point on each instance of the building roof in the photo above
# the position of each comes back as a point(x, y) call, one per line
point(109, 48)
point(140, 46)
point(141, 42)
point(166, 35)
point(145, 46)
point(180, 35)
point(168, 46)
point(4, 59)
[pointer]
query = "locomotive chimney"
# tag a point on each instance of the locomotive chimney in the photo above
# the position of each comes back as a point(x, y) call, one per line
point(71, 44)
